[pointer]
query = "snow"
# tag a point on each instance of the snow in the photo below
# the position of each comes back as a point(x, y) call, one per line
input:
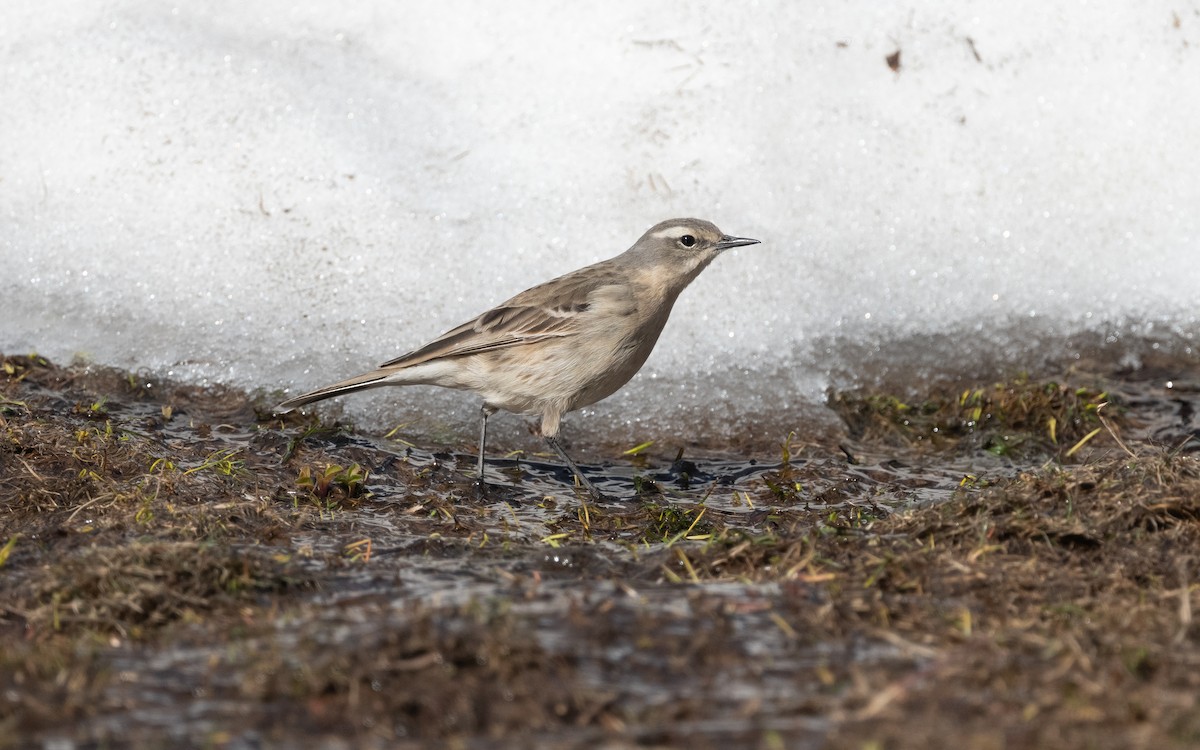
point(276, 195)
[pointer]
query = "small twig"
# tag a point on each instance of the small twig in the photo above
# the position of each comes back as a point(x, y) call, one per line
point(1185, 601)
point(81, 507)
point(1112, 431)
point(1083, 441)
point(1179, 448)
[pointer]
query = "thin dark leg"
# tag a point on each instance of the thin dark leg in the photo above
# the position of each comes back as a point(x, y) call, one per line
point(553, 443)
point(487, 412)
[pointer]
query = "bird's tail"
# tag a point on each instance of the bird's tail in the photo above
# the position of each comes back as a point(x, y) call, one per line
point(372, 379)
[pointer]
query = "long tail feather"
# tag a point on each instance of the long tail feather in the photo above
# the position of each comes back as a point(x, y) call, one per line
point(372, 379)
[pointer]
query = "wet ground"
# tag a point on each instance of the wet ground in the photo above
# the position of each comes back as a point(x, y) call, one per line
point(983, 565)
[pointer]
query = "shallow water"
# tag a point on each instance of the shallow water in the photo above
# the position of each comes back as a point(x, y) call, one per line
point(605, 587)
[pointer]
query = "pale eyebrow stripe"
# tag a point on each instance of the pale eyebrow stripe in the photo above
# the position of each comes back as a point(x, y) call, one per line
point(673, 232)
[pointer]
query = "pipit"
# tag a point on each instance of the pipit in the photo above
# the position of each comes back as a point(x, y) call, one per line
point(561, 345)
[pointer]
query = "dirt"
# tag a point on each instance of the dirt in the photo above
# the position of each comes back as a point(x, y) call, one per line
point(986, 565)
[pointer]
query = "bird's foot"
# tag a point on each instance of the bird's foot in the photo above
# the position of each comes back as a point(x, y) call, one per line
point(592, 490)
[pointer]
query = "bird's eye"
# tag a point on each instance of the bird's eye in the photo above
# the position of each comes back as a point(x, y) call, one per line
point(687, 240)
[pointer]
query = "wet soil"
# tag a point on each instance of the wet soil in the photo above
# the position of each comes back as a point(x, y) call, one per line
point(984, 565)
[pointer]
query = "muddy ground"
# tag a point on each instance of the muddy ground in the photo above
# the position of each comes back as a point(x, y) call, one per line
point(982, 566)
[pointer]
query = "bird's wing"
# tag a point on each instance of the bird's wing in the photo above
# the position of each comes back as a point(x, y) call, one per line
point(550, 310)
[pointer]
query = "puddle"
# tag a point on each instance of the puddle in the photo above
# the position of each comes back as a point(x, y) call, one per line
point(721, 599)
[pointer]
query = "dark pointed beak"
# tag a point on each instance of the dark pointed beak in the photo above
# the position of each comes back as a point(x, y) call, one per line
point(727, 242)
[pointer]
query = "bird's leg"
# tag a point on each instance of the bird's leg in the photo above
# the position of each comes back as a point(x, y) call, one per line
point(553, 443)
point(480, 484)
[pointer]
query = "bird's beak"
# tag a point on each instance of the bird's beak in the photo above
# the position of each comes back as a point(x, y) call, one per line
point(727, 242)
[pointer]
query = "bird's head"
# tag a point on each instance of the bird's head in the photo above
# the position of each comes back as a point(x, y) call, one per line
point(684, 246)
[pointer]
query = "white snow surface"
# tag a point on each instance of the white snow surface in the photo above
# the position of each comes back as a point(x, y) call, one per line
point(276, 195)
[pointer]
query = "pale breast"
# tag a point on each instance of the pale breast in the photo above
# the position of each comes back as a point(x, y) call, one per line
point(612, 336)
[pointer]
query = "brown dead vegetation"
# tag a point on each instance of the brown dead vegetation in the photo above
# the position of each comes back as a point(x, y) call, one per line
point(160, 542)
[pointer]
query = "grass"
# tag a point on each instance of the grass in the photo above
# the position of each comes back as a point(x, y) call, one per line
point(159, 543)
point(1019, 418)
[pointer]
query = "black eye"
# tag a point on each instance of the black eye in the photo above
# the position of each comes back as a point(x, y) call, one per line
point(687, 240)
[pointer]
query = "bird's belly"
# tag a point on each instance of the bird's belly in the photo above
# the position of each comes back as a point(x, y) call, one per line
point(564, 376)
point(608, 380)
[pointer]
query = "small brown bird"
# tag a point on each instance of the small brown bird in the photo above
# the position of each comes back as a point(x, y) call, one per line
point(561, 345)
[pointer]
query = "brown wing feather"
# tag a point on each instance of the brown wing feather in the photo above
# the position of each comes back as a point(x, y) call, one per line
point(545, 311)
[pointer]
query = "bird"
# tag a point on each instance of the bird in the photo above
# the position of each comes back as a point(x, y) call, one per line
point(563, 344)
